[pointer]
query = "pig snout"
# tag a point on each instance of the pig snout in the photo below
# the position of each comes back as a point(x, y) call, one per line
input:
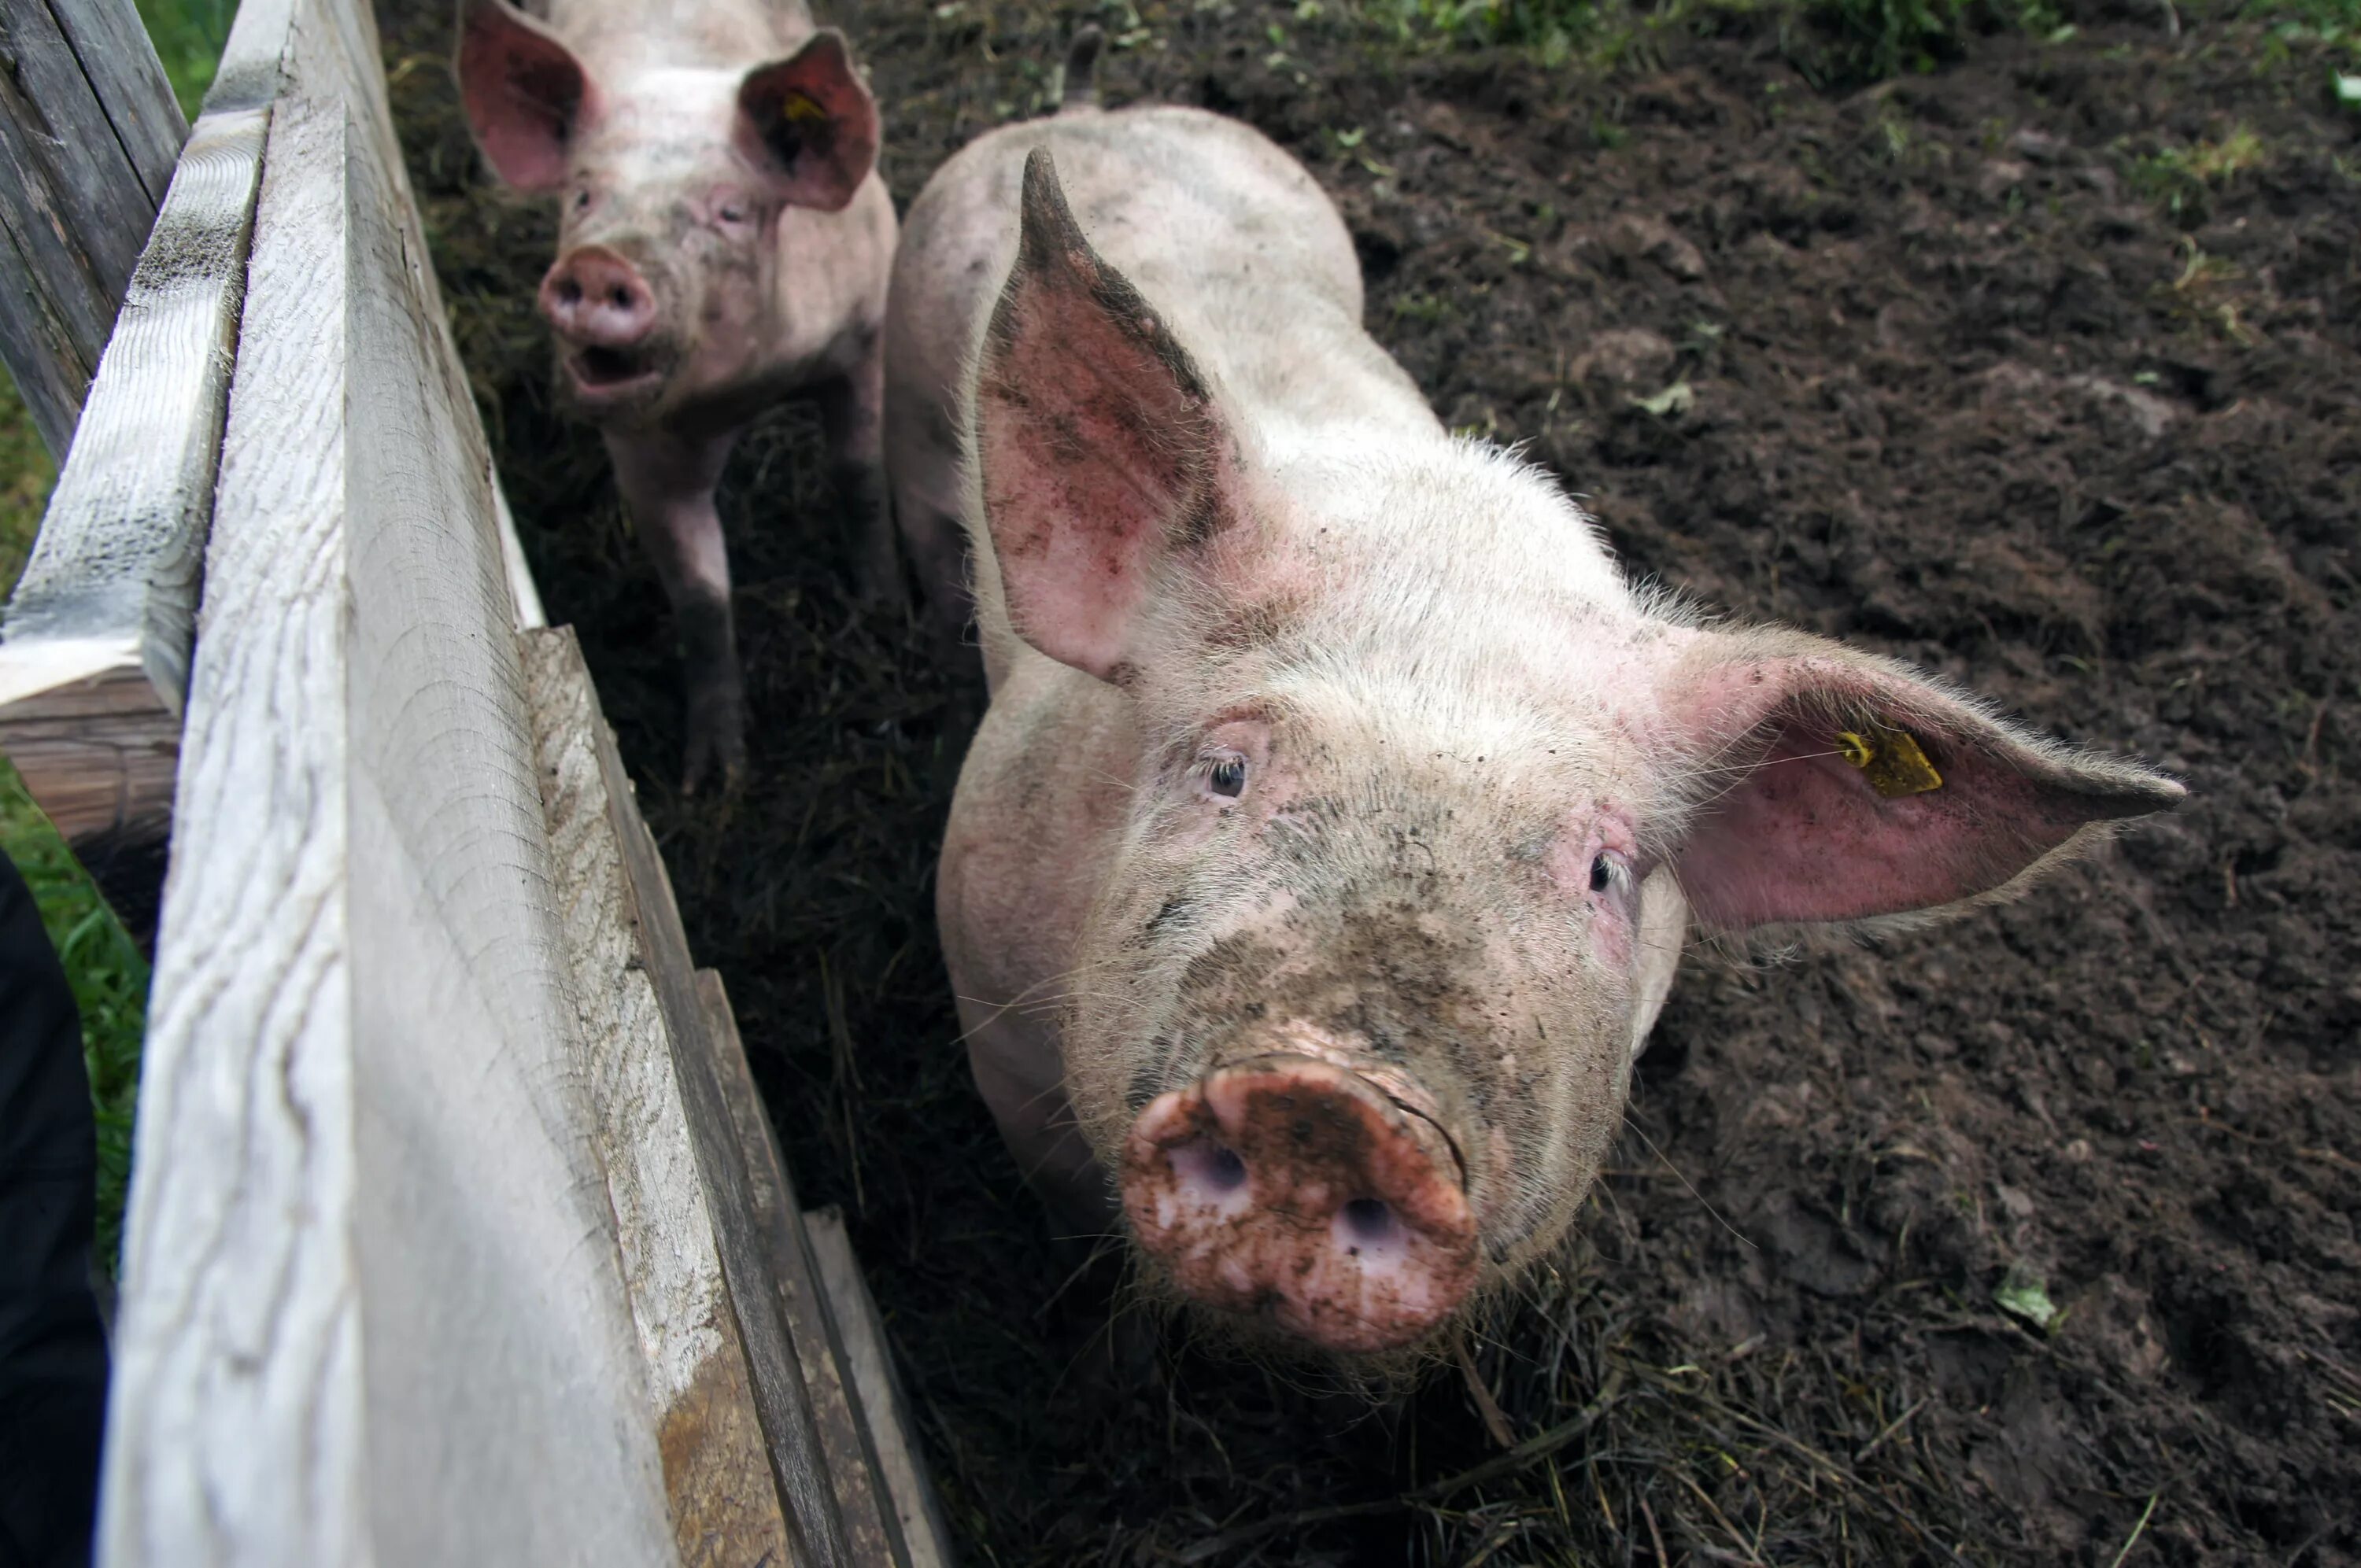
point(596, 299)
point(1297, 1188)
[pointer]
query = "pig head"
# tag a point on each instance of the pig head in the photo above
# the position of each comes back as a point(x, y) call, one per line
point(723, 242)
point(1328, 850)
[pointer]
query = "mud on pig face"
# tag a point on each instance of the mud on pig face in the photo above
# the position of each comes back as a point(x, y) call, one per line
point(670, 181)
point(1425, 802)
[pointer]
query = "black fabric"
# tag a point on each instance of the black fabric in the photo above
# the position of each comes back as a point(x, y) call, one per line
point(53, 1348)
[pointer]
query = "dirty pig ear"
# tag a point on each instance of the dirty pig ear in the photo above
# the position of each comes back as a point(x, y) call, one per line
point(525, 95)
point(808, 123)
point(1099, 448)
point(1833, 785)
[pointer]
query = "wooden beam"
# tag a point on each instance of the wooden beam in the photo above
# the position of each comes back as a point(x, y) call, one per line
point(872, 1529)
point(781, 1359)
point(88, 133)
point(373, 1306)
point(725, 1506)
point(94, 663)
point(93, 668)
point(902, 1463)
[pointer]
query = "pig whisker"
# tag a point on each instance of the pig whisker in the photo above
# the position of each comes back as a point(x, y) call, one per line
point(1684, 1181)
point(1030, 998)
point(1751, 767)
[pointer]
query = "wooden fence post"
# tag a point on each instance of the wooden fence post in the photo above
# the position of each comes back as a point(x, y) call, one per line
point(457, 1233)
point(89, 130)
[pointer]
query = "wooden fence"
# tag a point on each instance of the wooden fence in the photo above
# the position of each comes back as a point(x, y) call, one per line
point(458, 1233)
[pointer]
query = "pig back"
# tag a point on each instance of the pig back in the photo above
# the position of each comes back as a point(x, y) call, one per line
point(1216, 225)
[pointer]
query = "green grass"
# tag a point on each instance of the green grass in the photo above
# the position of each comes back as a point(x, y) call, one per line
point(188, 35)
point(108, 976)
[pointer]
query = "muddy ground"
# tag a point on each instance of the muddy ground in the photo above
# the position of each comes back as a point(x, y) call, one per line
point(1984, 368)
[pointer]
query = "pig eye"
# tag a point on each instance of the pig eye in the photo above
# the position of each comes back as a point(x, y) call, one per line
point(730, 214)
point(581, 199)
point(1227, 776)
point(1610, 871)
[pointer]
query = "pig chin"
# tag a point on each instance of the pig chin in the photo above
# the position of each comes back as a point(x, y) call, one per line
point(1288, 1184)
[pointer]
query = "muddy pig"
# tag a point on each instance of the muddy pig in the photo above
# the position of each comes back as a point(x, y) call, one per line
point(1341, 811)
point(724, 241)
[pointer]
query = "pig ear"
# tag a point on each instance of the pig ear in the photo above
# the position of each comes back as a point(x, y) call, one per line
point(1100, 450)
point(1834, 786)
point(525, 92)
point(808, 123)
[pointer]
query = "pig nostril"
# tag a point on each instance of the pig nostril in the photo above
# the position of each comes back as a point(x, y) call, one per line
point(1369, 1221)
point(1217, 1170)
point(569, 292)
point(623, 298)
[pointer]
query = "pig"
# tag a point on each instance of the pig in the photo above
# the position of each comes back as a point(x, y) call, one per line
point(724, 241)
point(1341, 811)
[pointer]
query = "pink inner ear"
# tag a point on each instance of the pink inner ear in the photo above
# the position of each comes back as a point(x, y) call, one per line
point(1805, 835)
point(525, 95)
point(1099, 447)
point(808, 123)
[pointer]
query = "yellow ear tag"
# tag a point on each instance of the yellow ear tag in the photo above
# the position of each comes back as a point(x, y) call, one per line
point(1893, 763)
point(800, 108)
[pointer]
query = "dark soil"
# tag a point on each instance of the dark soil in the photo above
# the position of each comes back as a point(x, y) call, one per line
point(1977, 381)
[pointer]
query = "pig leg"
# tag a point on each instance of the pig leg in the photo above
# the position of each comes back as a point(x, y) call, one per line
point(667, 482)
point(852, 418)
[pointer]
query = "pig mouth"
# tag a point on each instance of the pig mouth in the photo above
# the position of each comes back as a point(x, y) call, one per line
point(599, 375)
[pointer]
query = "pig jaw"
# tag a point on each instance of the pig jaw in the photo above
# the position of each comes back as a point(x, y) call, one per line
point(1289, 1186)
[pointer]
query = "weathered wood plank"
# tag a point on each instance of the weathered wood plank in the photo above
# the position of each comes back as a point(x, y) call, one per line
point(112, 585)
point(94, 665)
point(118, 58)
point(725, 1507)
point(120, 549)
point(777, 1355)
point(373, 1309)
point(902, 1463)
point(75, 206)
point(872, 1529)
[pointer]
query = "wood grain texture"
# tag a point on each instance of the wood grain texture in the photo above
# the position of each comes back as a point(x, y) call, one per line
point(373, 1309)
point(902, 1462)
point(74, 203)
point(799, 1458)
point(872, 1530)
point(121, 548)
point(725, 1507)
point(111, 45)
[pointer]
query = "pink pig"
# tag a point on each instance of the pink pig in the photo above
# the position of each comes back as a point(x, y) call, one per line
point(724, 242)
point(1329, 844)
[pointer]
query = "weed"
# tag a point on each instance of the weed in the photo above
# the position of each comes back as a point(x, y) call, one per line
point(2181, 179)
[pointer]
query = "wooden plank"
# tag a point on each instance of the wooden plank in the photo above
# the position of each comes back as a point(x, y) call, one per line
point(73, 202)
point(118, 58)
point(725, 1507)
point(775, 1354)
point(38, 345)
point(871, 1529)
point(110, 589)
point(373, 1309)
point(902, 1462)
point(94, 665)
